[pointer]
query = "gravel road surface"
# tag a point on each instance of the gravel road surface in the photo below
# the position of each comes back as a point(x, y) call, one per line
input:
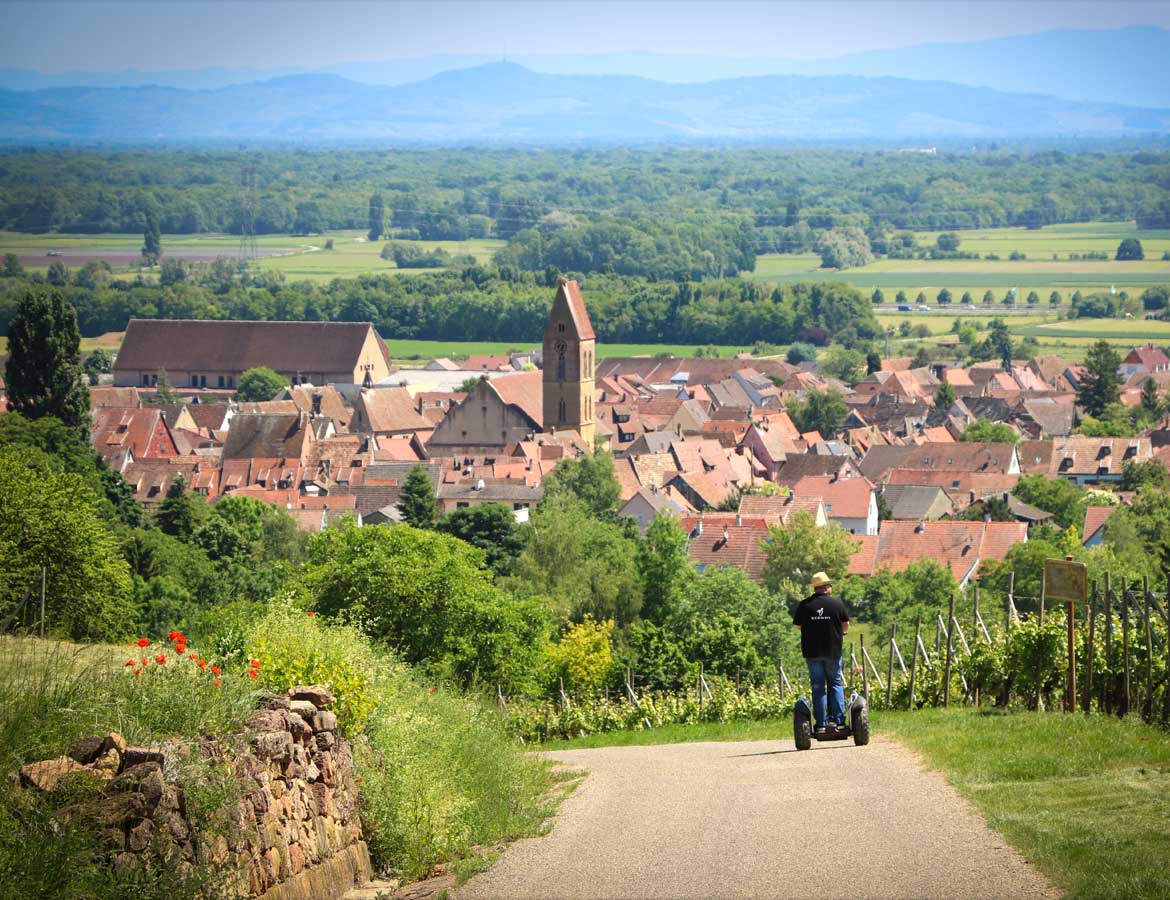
point(759, 820)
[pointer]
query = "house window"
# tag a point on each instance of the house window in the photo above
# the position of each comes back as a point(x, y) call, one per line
point(462, 504)
point(230, 381)
point(145, 380)
point(220, 381)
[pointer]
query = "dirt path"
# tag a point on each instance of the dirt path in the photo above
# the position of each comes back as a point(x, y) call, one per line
point(759, 820)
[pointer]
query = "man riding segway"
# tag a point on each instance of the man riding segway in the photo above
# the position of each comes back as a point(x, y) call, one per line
point(822, 621)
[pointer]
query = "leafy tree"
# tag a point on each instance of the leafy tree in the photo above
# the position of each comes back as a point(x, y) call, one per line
point(921, 298)
point(985, 430)
point(377, 217)
point(877, 297)
point(944, 297)
point(663, 567)
point(948, 241)
point(1033, 298)
point(429, 597)
point(491, 527)
point(151, 239)
point(1102, 382)
point(967, 299)
point(12, 266)
point(723, 644)
point(923, 586)
point(988, 298)
point(418, 503)
point(1151, 402)
point(900, 297)
point(1130, 249)
point(1156, 297)
point(1055, 298)
point(944, 395)
point(583, 656)
point(1058, 496)
point(1115, 421)
point(179, 514)
point(164, 391)
point(797, 550)
point(656, 656)
point(844, 364)
point(800, 352)
point(470, 384)
point(1151, 473)
point(994, 508)
point(873, 362)
point(843, 248)
point(43, 376)
point(309, 219)
point(260, 384)
point(591, 479)
point(999, 342)
point(586, 565)
point(57, 275)
point(49, 520)
point(99, 362)
point(821, 411)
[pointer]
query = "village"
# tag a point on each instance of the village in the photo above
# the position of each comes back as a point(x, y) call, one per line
point(708, 441)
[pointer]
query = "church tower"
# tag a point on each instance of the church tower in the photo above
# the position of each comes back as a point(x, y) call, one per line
point(569, 347)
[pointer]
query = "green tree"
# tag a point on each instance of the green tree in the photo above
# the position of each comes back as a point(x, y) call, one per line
point(1150, 473)
point(151, 239)
point(12, 266)
point(1151, 402)
point(591, 479)
point(877, 297)
point(843, 364)
point(1101, 384)
point(1033, 298)
point(923, 586)
point(944, 395)
point(309, 219)
point(260, 384)
point(1058, 496)
point(921, 298)
point(179, 515)
point(99, 362)
point(43, 376)
point(795, 551)
point(588, 566)
point(1116, 420)
point(800, 352)
point(583, 657)
point(427, 596)
point(988, 298)
point(656, 656)
point(948, 241)
point(967, 299)
point(57, 275)
point(900, 297)
point(821, 411)
point(1130, 249)
point(944, 297)
point(377, 217)
point(663, 567)
point(492, 528)
point(164, 391)
point(1156, 297)
point(1055, 298)
point(1000, 342)
point(418, 503)
point(49, 520)
point(873, 362)
point(985, 430)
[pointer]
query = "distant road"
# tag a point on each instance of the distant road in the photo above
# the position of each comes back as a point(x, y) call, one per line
point(759, 820)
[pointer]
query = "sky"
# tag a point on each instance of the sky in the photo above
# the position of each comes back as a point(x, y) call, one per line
point(151, 35)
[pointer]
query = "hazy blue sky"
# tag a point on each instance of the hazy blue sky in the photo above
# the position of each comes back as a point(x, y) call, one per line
point(172, 34)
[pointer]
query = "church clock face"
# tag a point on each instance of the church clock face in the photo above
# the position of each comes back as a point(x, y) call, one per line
point(560, 346)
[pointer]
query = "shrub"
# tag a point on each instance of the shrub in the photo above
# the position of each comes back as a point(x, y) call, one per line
point(294, 647)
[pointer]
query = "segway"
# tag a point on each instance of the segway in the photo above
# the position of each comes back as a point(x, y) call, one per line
point(856, 727)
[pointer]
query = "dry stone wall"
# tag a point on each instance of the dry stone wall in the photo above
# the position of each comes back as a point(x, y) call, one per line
point(289, 828)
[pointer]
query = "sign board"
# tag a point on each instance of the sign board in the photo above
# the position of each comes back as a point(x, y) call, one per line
point(1066, 580)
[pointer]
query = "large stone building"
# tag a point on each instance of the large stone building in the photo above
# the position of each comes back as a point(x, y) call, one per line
point(214, 354)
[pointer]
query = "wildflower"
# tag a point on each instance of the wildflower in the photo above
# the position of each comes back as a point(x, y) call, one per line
point(218, 681)
point(252, 673)
point(131, 662)
point(359, 779)
point(254, 663)
point(143, 642)
point(145, 661)
point(175, 636)
point(202, 663)
point(161, 660)
point(215, 670)
point(311, 614)
point(137, 671)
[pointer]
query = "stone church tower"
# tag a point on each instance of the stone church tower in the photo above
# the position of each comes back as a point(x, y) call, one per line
point(569, 347)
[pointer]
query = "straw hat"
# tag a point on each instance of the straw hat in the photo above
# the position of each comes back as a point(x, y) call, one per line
point(820, 580)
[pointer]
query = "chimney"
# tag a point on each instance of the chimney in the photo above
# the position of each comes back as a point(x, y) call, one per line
point(316, 404)
point(726, 534)
point(699, 528)
point(738, 520)
point(920, 527)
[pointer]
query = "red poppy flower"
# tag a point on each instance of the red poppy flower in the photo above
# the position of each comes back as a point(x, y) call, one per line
point(131, 662)
point(145, 661)
point(218, 681)
point(161, 660)
point(311, 614)
point(254, 663)
point(202, 663)
point(175, 635)
point(137, 671)
point(252, 673)
point(143, 642)
point(215, 670)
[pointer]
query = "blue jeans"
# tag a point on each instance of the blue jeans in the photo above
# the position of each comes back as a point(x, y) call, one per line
point(825, 671)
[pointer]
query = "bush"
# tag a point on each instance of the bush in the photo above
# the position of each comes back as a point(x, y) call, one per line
point(294, 647)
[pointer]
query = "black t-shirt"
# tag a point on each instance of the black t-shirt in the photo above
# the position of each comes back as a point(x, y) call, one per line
point(820, 617)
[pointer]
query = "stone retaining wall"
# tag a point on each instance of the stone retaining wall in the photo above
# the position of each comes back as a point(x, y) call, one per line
point(291, 830)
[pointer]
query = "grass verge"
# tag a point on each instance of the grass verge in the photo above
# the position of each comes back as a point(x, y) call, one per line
point(1087, 799)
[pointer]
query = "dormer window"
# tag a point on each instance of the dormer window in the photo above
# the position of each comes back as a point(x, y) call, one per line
point(1130, 452)
point(1066, 464)
point(1104, 451)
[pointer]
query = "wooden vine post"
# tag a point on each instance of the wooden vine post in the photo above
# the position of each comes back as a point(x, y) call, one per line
point(890, 668)
point(914, 658)
point(1107, 683)
point(1090, 648)
point(950, 652)
point(1123, 706)
point(1148, 703)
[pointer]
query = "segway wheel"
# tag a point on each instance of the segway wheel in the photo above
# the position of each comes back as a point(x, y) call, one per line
point(859, 720)
point(802, 725)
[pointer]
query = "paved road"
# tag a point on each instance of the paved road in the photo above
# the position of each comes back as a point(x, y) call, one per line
point(759, 820)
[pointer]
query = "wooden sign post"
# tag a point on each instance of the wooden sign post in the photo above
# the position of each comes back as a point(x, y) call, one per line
point(1067, 580)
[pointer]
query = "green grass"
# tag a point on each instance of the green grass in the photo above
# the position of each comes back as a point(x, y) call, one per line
point(1087, 799)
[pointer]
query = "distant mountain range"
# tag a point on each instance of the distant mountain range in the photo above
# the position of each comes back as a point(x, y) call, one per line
point(1125, 66)
point(507, 103)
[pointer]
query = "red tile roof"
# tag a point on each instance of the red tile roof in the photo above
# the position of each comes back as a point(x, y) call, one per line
point(843, 497)
point(571, 291)
point(524, 390)
point(962, 546)
point(1095, 519)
